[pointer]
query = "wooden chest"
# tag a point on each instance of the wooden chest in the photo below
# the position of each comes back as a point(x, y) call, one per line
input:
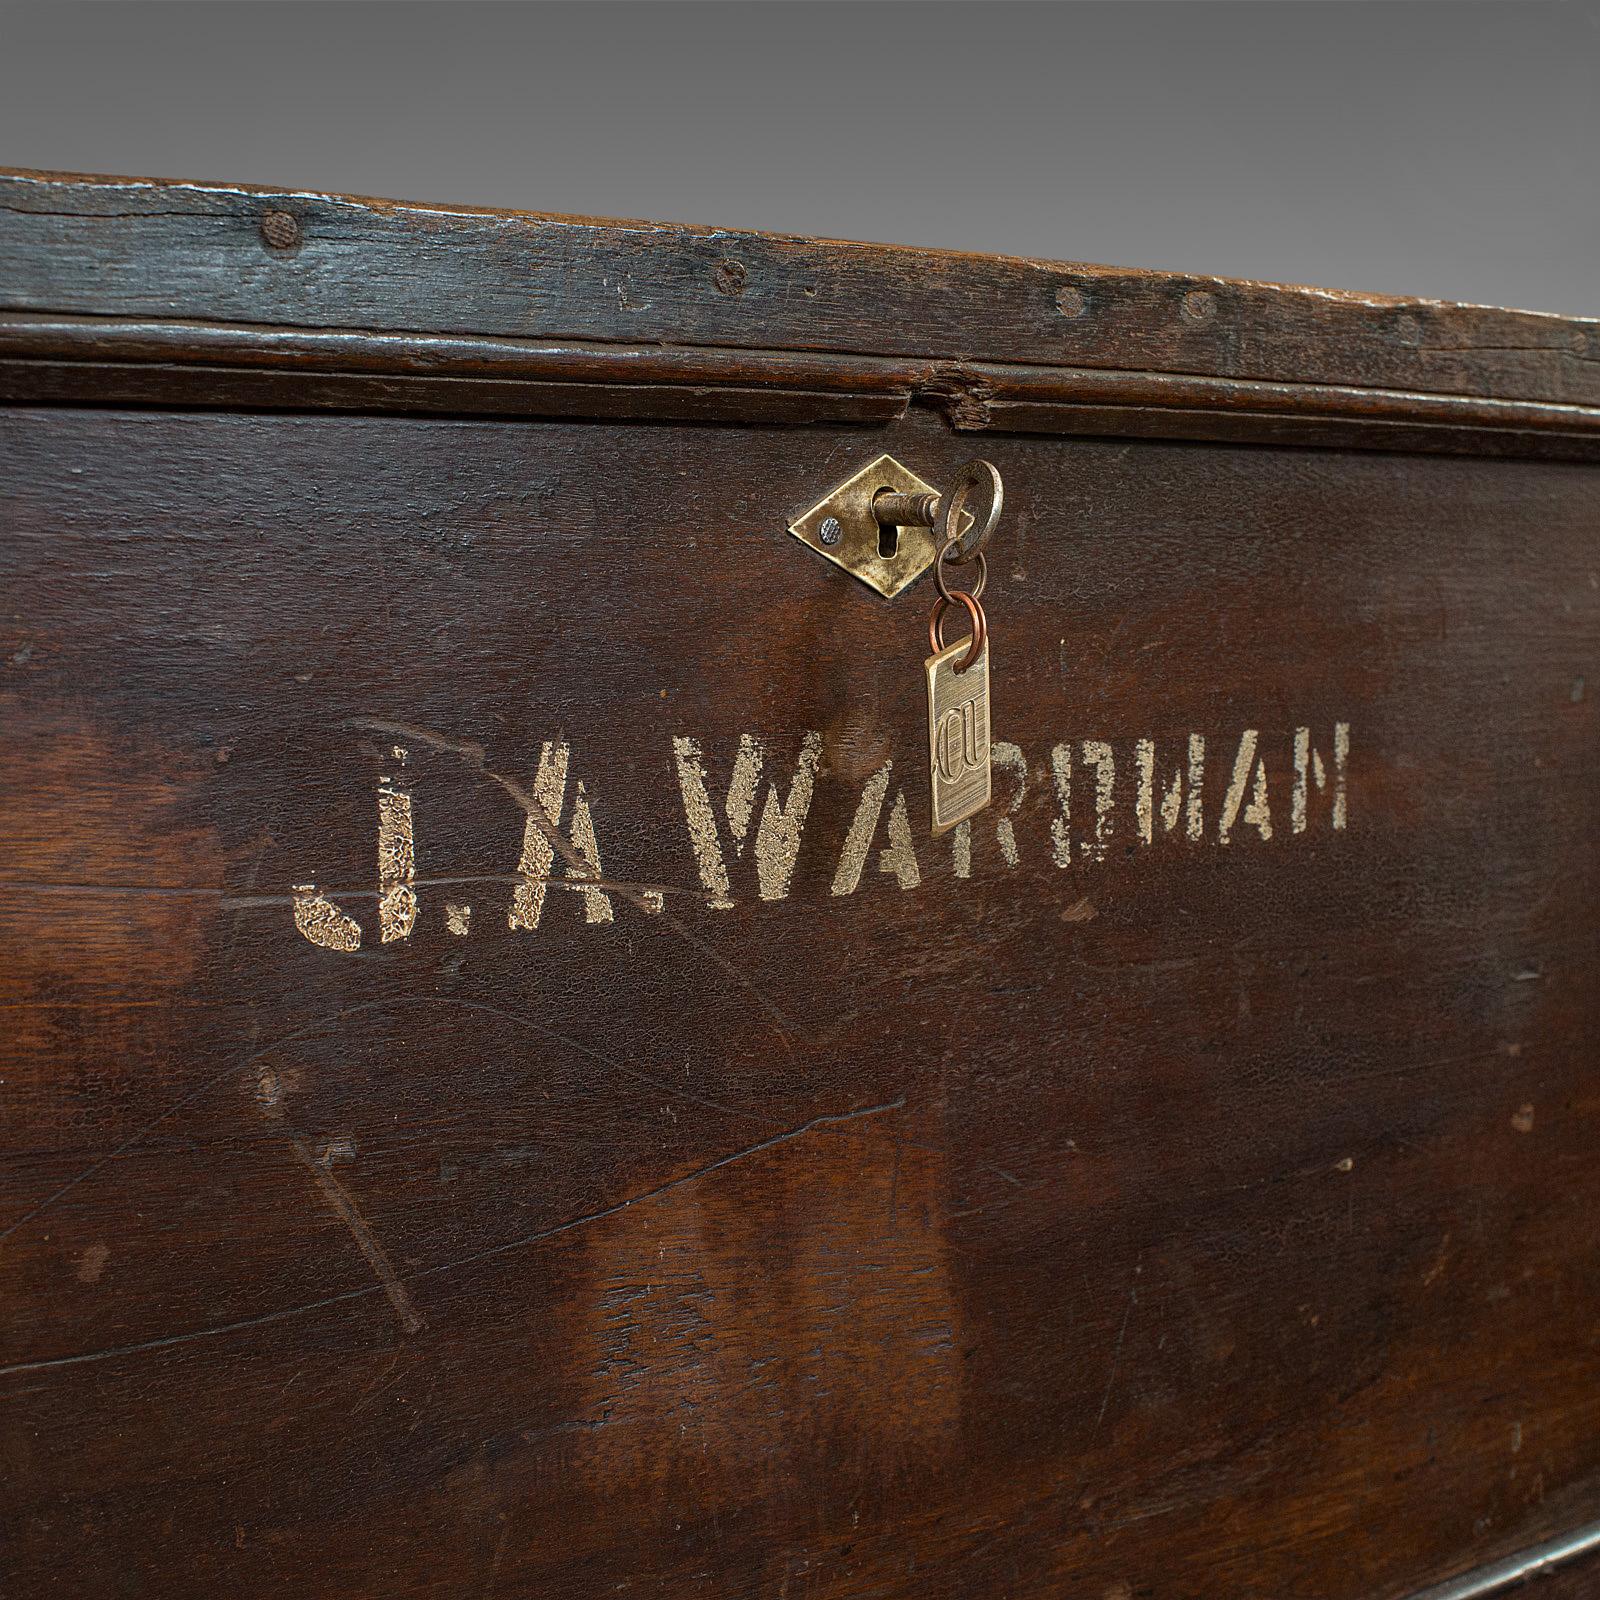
point(504, 1095)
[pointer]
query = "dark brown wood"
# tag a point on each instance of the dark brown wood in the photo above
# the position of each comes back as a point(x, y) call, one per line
point(98, 360)
point(1170, 1217)
point(116, 271)
point(1579, 1582)
point(145, 249)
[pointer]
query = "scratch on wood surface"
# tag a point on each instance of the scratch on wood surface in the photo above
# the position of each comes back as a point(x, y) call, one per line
point(145, 1129)
point(1122, 1334)
point(676, 1091)
point(832, 1119)
point(269, 1099)
point(382, 1381)
point(141, 1133)
point(257, 1056)
point(489, 1252)
point(499, 1552)
point(154, 890)
point(1440, 1262)
point(474, 756)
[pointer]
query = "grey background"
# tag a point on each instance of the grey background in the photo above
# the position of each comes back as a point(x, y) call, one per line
point(1440, 149)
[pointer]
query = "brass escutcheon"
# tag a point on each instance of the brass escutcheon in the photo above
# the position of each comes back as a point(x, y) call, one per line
point(845, 527)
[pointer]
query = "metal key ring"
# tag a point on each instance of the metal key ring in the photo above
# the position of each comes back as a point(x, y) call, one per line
point(980, 626)
point(973, 475)
point(946, 592)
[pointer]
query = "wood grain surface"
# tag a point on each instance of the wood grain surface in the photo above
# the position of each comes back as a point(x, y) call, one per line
point(1171, 1216)
point(105, 360)
point(136, 247)
point(163, 284)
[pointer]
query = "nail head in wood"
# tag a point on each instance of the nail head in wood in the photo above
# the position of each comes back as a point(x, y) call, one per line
point(280, 230)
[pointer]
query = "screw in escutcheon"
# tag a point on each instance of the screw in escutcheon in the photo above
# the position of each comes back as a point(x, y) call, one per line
point(830, 532)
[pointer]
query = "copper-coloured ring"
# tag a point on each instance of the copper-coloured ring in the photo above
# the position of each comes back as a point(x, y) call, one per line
point(973, 475)
point(945, 591)
point(980, 626)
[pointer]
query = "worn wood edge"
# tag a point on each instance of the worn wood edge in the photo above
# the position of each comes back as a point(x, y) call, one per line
point(1499, 1576)
point(90, 338)
point(153, 248)
point(250, 389)
point(1251, 427)
point(79, 359)
point(270, 192)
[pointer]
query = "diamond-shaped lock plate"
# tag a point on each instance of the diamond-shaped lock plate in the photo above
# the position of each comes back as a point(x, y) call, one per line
point(856, 544)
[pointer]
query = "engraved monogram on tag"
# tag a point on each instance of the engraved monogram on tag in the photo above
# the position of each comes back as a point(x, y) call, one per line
point(958, 735)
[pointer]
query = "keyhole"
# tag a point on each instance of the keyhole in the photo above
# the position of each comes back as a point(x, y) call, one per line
point(888, 532)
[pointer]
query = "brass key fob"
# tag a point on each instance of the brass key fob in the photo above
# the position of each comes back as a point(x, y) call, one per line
point(958, 674)
point(958, 720)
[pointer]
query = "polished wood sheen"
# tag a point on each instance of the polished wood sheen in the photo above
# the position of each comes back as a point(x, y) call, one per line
point(502, 1093)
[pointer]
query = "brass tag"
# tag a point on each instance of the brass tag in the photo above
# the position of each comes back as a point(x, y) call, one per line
point(958, 735)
